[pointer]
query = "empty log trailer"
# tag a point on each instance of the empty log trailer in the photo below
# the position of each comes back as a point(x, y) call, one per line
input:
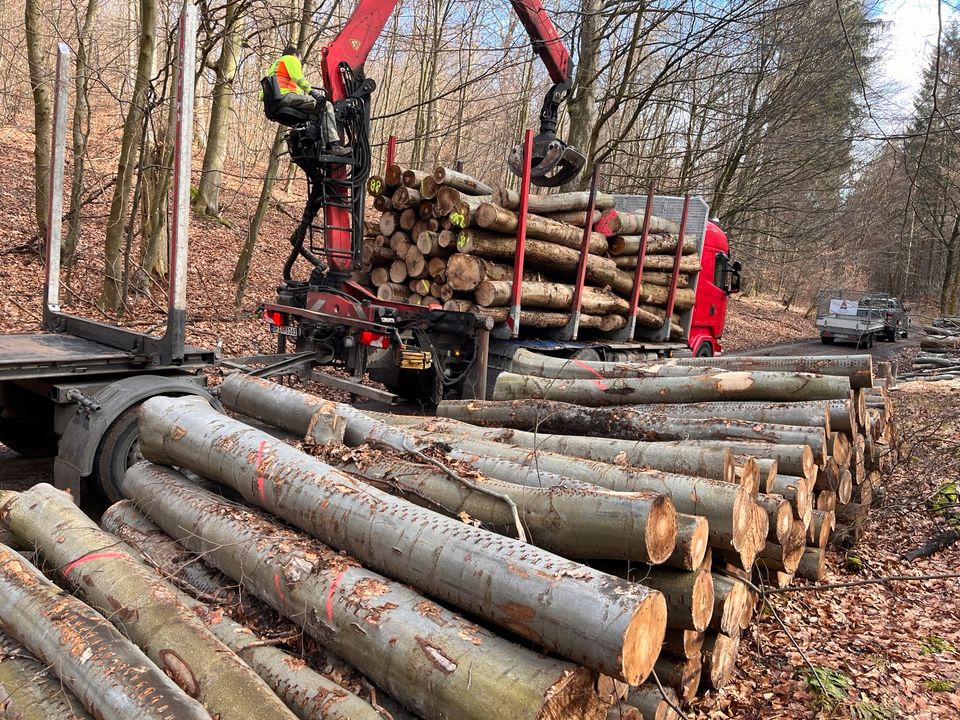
point(73, 389)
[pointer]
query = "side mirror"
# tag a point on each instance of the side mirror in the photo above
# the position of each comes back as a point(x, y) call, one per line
point(733, 284)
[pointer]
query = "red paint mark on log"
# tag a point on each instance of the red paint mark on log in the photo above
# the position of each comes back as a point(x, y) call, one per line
point(333, 587)
point(436, 657)
point(279, 587)
point(91, 556)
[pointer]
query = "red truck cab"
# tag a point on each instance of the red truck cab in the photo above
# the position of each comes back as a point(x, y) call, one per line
point(719, 278)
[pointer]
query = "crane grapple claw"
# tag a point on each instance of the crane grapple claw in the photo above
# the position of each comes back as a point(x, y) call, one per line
point(553, 162)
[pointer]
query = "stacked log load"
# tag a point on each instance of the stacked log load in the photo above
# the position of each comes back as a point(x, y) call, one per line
point(445, 238)
point(939, 356)
point(600, 546)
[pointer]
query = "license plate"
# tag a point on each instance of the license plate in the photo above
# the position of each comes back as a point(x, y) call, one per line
point(289, 330)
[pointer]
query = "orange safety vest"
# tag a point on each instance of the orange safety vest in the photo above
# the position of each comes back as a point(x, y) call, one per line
point(284, 80)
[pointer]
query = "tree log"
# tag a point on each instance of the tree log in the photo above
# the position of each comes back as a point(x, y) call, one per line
point(416, 264)
point(615, 222)
point(437, 269)
point(559, 202)
point(389, 223)
point(681, 674)
point(689, 595)
point(685, 643)
point(409, 218)
point(720, 659)
point(656, 244)
point(339, 510)
point(797, 490)
point(461, 181)
point(307, 693)
point(626, 391)
point(552, 296)
point(379, 276)
point(111, 676)
point(143, 606)
point(693, 536)
point(497, 219)
point(393, 291)
point(813, 564)
point(398, 271)
point(412, 178)
point(29, 690)
point(624, 422)
point(809, 414)
point(731, 603)
point(433, 661)
point(546, 319)
point(858, 368)
point(689, 264)
point(576, 523)
point(651, 702)
point(465, 272)
point(574, 217)
point(429, 244)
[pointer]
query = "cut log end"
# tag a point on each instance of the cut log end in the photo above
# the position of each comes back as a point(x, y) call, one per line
point(643, 638)
point(660, 533)
point(719, 659)
point(572, 695)
point(702, 600)
point(693, 537)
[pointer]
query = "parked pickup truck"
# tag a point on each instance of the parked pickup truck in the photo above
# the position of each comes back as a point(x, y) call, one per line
point(860, 318)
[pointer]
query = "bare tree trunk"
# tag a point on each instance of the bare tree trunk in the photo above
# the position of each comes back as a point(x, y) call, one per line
point(80, 130)
point(110, 297)
point(582, 105)
point(42, 112)
point(207, 199)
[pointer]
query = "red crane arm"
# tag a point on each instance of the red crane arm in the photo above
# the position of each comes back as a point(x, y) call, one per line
point(365, 25)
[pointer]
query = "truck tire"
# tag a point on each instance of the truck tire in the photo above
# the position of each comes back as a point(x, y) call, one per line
point(705, 350)
point(827, 340)
point(119, 449)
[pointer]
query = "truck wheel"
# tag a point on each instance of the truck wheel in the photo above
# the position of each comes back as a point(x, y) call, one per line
point(827, 340)
point(705, 350)
point(119, 449)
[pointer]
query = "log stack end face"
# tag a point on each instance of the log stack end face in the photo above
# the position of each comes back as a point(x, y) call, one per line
point(661, 530)
point(644, 638)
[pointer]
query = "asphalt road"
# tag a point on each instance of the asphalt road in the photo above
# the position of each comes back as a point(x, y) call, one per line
point(880, 351)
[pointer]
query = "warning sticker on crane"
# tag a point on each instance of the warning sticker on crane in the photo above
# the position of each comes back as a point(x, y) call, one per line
point(844, 307)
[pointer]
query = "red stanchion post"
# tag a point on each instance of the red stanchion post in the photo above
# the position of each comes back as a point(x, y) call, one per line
point(513, 321)
point(573, 328)
point(638, 274)
point(675, 277)
point(391, 150)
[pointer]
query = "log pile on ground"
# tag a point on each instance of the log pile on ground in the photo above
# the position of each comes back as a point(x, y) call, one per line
point(605, 546)
point(445, 238)
point(939, 356)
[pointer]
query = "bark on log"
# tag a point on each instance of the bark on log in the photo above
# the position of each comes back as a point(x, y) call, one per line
point(689, 264)
point(797, 490)
point(858, 368)
point(693, 537)
point(307, 693)
point(791, 459)
point(497, 219)
point(549, 256)
point(807, 414)
point(553, 296)
point(142, 605)
point(576, 523)
point(111, 676)
point(651, 702)
point(574, 217)
point(30, 690)
point(615, 222)
point(685, 643)
point(719, 659)
point(624, 422)
point(433, 661)
point(731, 602)
point(559, 202)
point(548, 319)
point(339, 510)
point(461, 181)
point(734, 385)
point(689, 595)
point(656, 244)
point(813, 564)
point(681, 674)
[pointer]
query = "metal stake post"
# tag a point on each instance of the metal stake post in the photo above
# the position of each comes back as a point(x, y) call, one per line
point(513, 321)
point(675, 277)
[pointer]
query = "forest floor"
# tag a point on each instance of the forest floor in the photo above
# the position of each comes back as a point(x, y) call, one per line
point(897, 643)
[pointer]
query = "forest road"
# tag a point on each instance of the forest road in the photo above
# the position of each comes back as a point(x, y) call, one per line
point(900, 351)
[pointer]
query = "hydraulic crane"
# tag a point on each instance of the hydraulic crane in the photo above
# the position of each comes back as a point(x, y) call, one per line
point(422, 352)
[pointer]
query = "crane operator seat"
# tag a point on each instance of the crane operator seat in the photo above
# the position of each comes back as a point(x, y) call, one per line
point(274, 110)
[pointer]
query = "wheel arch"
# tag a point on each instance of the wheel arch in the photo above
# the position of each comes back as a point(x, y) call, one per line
point(82, 436)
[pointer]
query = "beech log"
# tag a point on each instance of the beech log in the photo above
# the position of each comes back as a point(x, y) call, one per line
point(858, 368)
point(685, 643)
point(689, 595)
point(615, 222)
point(719, 659)
point(661, 243)
point(813, 564)
point(433, 661)
point(412, 178)
point(342, 511)
point(553, 296)
point(393, 291)
point(460, 181)
point(111, 676)
point(689, 263)
point(559, 202)
point(626, 391)
point(497, 219)
point(693, 537)
point(465, 272)
point(650, 700)
point(681, 674)
point(29, 690)
point(143, 606)
point(574, 217)
point(548, 319)
point(731, 602)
